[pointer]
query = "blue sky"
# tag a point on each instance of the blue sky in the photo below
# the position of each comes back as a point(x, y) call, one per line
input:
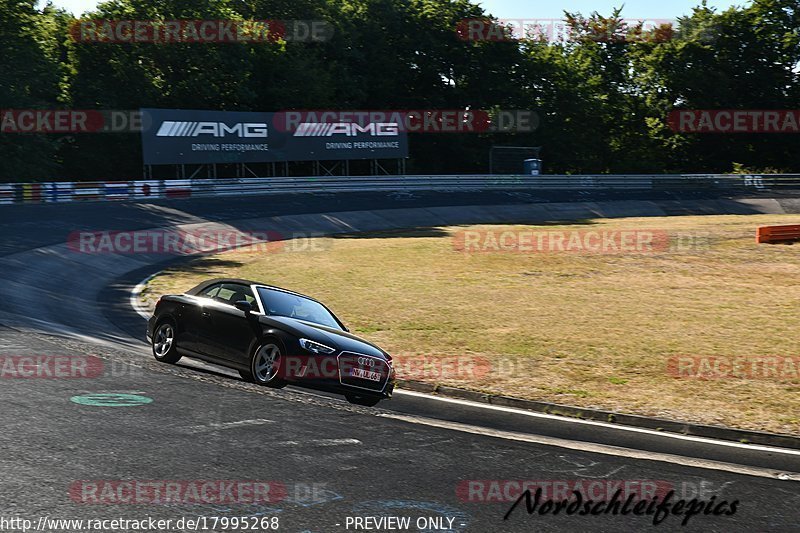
point(639, 9)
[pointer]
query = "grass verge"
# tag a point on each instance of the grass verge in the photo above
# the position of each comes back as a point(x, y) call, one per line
point(584, 329)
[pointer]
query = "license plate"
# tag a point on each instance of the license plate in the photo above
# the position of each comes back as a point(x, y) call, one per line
point(365, 374)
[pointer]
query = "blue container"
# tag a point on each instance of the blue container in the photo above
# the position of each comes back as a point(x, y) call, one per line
point(532, 167)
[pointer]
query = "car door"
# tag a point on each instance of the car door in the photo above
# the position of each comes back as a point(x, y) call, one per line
point(196, 321)
point(232, 330)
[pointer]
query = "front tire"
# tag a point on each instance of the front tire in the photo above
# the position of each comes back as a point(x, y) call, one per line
point(368, 401)
point(265, 366)
point(164, 349)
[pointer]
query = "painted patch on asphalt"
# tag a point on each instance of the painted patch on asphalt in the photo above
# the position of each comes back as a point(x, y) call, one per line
point(111, 400)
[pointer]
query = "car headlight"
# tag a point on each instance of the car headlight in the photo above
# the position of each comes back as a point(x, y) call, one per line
point(315, 347)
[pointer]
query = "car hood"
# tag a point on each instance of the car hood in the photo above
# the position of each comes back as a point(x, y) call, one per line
point(335, 338)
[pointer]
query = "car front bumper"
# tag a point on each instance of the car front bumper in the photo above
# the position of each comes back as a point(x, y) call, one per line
point(342, 373)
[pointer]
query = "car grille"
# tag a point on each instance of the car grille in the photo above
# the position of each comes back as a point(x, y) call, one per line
point(356, 370)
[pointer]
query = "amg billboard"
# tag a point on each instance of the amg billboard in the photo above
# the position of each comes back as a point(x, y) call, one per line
point(174, 136)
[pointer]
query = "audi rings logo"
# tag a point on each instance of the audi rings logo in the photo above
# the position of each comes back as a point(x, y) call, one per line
point(366, 361)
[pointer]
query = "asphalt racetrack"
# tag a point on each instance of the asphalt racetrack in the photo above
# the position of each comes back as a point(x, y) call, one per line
point(130, 439)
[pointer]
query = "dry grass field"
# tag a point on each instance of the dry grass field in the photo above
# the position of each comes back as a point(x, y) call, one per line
point(584, 329)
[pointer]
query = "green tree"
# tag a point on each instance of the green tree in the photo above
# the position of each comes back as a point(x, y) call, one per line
point(31, 74)
point(737, 59)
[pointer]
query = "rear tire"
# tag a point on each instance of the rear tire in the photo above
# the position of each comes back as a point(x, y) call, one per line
point(265, 365)
point(164, 349)
point(368, 401)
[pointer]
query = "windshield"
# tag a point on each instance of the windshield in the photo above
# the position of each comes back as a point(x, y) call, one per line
point(279, 303)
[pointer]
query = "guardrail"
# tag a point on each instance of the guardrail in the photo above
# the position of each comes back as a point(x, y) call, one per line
point(138, 190)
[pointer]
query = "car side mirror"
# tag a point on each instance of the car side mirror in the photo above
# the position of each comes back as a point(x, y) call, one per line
point(243, 305)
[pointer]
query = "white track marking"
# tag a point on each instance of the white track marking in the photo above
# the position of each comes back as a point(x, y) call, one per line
point(317, 442)
point(134, 299)
point(619, 427)
point(598, 448)
point(230, 425)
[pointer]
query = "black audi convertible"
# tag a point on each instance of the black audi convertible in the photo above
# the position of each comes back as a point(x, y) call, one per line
point(272, 336)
